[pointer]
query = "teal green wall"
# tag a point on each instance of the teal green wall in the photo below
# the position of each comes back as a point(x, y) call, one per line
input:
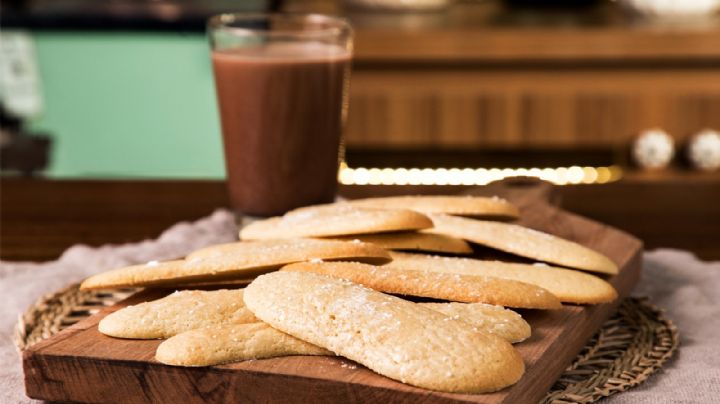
point(129, 105)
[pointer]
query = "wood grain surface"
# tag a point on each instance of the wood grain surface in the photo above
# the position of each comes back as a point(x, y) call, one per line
point(523, 107)
point(492, 31)
point(486, 74)
point(80, 364)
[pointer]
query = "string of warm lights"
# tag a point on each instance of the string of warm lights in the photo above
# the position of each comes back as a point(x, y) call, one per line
point(475, 176)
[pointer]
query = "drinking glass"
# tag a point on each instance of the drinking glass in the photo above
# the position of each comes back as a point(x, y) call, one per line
point(282, 85)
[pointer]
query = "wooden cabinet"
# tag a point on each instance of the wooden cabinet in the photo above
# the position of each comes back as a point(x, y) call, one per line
point(481, 75)
point(556, 107)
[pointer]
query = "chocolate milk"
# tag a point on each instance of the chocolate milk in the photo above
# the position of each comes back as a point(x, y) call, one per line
point(282, 108)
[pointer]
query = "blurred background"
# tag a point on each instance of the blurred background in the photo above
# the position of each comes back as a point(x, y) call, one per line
point(584, 93)
point(123, 88)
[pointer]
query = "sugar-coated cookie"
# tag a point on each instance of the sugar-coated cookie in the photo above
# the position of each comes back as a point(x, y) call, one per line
point(567, 284)
point(176, 313)
point(233, 261)
point(524, 242)
point(335, 220)
point(396, 338)
point(414, 240)
point(436, 285)
point(231, 343)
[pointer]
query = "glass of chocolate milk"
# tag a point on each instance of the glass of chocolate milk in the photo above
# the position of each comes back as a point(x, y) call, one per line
point(282, 89)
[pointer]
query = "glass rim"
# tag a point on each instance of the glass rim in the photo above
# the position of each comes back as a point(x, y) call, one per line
point(338, 26)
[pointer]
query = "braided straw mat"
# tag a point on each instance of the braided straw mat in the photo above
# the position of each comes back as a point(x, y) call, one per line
point(631, 345)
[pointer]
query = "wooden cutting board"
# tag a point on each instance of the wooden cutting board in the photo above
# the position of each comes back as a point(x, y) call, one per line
point(80, 364)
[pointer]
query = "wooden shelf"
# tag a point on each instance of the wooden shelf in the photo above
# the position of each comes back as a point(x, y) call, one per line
point(479, 75)
point(487, 32)
point(460, 46)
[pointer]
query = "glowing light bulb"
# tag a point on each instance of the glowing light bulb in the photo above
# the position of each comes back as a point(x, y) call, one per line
point(477, 176)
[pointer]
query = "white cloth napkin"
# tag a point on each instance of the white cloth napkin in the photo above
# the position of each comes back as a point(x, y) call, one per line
point(689, 291)
point(21, 284)
point(675, 280)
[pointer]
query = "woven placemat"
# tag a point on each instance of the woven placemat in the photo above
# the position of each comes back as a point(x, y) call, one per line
point(631, 346)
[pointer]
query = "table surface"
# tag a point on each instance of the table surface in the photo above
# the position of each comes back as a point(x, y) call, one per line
point(39, 218)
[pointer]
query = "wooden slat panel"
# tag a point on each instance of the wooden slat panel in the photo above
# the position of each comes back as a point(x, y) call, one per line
point(602, 118)
point(690, 112)
point(528, 108)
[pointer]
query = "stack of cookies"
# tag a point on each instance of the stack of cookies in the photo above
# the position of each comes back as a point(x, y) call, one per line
point(380, 281)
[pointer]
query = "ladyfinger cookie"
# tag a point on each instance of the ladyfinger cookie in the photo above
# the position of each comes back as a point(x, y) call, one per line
point(451, 205)
point(231, 343)
point(176, 313)
point(568, 285)
point(436, 285)
point(413, 240)
point(196, 309)
point(524, 242)
point(488, 318)
point(335, 220)
point(234, 261)
point(240, 342)
point(396, 338)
